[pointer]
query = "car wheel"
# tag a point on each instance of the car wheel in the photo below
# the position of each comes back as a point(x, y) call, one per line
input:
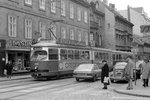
point(94, 78)
point(112, 80)
point(77, 79)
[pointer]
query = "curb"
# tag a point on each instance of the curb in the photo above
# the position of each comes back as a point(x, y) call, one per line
point(132, 94)
point(19, 78)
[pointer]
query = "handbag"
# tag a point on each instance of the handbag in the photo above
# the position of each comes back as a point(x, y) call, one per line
point(107, 80)
point(5, 72)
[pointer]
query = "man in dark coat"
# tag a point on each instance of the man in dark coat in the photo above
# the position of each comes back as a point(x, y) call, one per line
point(105, 73)
point(9, 67)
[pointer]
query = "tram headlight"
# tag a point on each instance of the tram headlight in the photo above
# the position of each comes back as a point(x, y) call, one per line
point(36, 67)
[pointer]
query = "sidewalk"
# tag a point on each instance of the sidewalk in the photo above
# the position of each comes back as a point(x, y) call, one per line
point(15, 77)
point(138, 89)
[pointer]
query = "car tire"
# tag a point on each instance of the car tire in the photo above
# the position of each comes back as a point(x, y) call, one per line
point(94, 79)
point(77, 79)
point(112, 80)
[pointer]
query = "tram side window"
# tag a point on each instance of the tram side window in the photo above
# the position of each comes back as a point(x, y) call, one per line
point(114, 57)
point(76, 54)
point(87, 55)
point(117, 57)
point(81, 55)
point(70, 54)
point(120, 58)
point(53, 54)
point(96, 55)
point(63, 54)
point(100, 56)
point(107, 56)
point(84, 55)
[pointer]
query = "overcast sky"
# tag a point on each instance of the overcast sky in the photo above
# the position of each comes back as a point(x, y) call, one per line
point(122, 4)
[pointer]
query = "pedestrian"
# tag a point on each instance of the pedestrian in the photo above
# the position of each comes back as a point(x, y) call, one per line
point(9, 67)
point(129, 72)
point(104, 73)
point(145, 72)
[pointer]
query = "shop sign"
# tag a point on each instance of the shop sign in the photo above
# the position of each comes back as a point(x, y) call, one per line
point(19, 43)
point(70, 42)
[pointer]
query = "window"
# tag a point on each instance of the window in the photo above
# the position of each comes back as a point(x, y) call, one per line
point(85, 16)
point(70, 54)
point(63, 54)
point(42, 4)
point(63, 8)
point(63, 32)
point(79, 35)
point(42, 27)
point(79, 14)
point(86, 38)
point(96, 55)
point(76, 54)
point(91, 37)
point(12, 26)
point(71, 11)
point(53, 54)
point(53, 32)
point(100, 40)
point(71, 34)
point(28, 28)
point(53, 6)
point(28, 2)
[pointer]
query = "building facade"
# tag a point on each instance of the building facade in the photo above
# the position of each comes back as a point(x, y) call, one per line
point(97, 20)
point(139, 18)
point(24, 21)
point(118, 30)
point(123, 33)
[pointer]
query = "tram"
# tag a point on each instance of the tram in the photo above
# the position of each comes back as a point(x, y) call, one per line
point(49, 59)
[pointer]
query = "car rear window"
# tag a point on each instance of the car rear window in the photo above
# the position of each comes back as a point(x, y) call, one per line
point(120, 65)
point(85, 67)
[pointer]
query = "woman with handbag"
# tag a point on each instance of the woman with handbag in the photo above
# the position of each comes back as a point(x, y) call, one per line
point(105, 74)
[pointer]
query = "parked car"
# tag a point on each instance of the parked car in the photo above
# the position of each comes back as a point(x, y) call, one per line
point(118, 72)
point(87, 71)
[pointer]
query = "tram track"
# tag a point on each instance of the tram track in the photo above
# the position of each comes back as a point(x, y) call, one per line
point(28, 85)
point(52, 89)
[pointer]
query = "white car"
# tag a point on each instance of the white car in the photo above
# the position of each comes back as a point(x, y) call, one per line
point(87, 71)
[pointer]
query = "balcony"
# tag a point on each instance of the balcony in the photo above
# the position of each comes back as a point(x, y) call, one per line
point(94, 24)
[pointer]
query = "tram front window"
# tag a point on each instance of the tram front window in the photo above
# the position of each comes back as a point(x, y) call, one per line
point(39, 55)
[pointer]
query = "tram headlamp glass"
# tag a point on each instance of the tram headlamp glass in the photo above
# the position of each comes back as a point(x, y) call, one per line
point(36, 67)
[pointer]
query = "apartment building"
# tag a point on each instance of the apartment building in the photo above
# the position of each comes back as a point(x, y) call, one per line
point(24, 21)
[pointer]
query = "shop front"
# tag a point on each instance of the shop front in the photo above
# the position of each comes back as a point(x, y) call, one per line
point(2, 56)
point(18, 51)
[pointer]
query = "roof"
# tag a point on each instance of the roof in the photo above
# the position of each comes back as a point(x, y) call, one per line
point(117, 14)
